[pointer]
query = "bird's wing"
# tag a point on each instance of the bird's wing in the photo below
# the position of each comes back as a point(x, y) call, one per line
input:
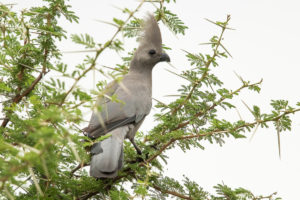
point(112, 114)
point(97, 131)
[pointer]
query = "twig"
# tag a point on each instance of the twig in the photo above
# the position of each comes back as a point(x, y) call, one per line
point(181, 125)
point(171, 192)
point(30, 67)
point(107, 44)
point(270, 197)
point(19, 97)
point(35, 181)
point(207, 64)
point(108, 182)
point(81, 165)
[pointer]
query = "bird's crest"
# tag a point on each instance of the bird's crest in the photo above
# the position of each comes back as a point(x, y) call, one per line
point(151, 32)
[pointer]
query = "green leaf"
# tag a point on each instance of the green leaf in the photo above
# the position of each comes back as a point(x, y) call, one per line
point(279, 104)
point(255, 88)
point(171, 20)
point(116, 45)
point(85, 40)
point(4, 87)
point(118, 21)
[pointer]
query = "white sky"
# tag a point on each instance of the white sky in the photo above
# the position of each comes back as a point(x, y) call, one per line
point(264, 45)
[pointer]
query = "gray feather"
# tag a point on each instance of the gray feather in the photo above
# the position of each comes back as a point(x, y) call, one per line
point(109, 161)
point(123, 119)
point(96, 148)
point(100, 130)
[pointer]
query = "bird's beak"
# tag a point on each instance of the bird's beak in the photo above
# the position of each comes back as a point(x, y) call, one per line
point(164, 57)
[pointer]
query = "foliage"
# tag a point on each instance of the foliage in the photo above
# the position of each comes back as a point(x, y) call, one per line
point(43, 152)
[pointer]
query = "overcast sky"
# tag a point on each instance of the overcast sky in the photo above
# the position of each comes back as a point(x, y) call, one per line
point(264, 45)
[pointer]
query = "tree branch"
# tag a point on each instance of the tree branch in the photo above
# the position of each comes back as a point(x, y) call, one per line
point(109, 182)
point(19, 97)
point(207, 64)
point(166, 145)
point(270, 197)
point(171, 192)
point(200, 113)
point(79, 166)
point(98, 52)
point(183, 124)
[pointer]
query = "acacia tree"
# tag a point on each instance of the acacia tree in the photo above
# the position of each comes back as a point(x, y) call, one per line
point(44, 154)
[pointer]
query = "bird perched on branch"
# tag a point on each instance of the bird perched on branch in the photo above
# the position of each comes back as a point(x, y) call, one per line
point(122, 120)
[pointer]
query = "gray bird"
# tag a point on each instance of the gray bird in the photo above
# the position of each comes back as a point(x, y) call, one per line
point(122, 120)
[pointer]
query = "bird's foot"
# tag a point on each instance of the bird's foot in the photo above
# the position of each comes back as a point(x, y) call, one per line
point(138, 150)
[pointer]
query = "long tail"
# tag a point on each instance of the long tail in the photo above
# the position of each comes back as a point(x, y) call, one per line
point(107, 156)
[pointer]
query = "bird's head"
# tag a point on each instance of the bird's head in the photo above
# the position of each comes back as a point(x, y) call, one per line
point(149, 52)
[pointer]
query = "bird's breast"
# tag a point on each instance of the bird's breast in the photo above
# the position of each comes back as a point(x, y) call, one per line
point(143, 100)
point(139, 89)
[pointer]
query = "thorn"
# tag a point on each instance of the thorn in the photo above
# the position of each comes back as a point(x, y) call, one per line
point(228, 18)
point(225, 50)
point(81, 51)
point(278, 140)
point(160, 102)
point(179, 75)
point(240, 116)
point(208, 43)
point(252, 136)
point(247, 106)
point(239, 77)
point(105, 22)
point(171, 65)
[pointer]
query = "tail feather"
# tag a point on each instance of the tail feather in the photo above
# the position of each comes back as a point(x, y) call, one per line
point(107, 162)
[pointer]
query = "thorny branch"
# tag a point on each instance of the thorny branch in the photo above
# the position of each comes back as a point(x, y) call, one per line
point(270, 197)
point(164, 191)
point(200, 113)
point(99, 51)
point(19, 96)
point(207, 64)
point(165, 146)
point(171, 192)
point(109, 183)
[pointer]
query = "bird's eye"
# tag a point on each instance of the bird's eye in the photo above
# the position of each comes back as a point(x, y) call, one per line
point(152, 52)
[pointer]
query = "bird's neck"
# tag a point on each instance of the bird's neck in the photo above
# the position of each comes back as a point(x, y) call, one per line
point(144, 72)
